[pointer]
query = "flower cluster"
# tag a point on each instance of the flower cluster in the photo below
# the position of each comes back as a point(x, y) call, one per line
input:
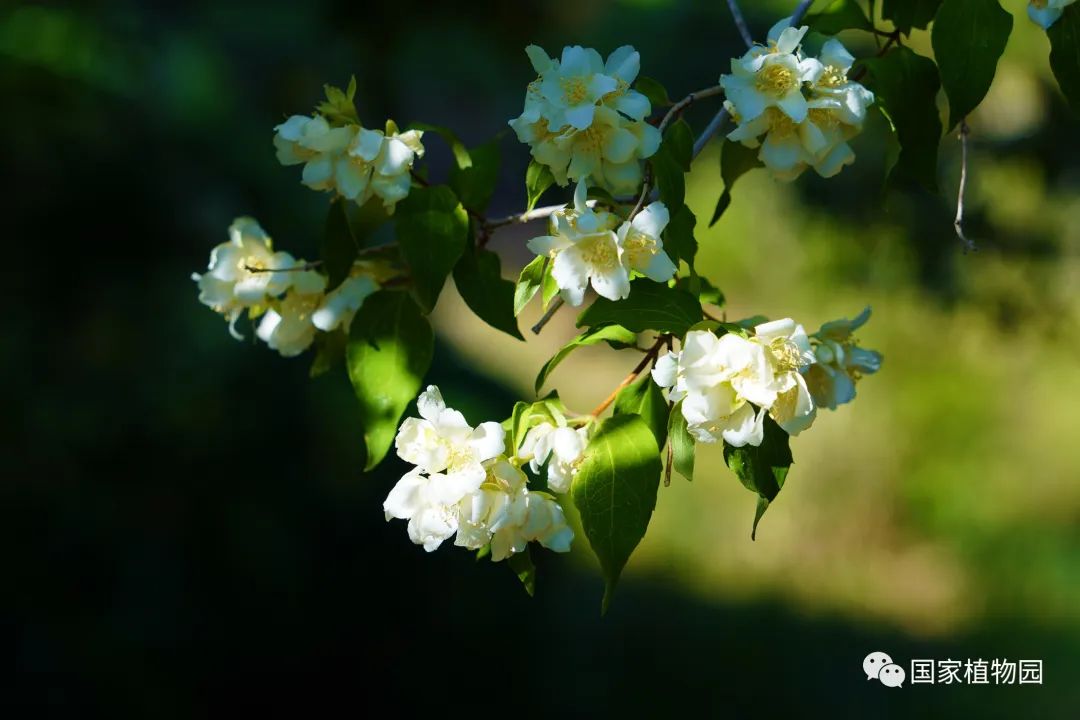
point(589, 246)
point(720, 380)
point(354, 161)
point(779, 370)
point(464, 484)
point(1046, 12)
point(246, 274)
point(840, 362)
point(583, 120)
point(800, 111)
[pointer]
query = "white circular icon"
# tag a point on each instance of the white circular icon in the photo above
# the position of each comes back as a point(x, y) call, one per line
point(873, 663)
point(892, 675)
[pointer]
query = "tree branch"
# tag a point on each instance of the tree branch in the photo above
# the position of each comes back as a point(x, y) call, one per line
point(552, 309)
point(650, 356)
point(740, 23)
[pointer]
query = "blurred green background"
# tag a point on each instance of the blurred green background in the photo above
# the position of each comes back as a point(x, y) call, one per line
point(190, 526)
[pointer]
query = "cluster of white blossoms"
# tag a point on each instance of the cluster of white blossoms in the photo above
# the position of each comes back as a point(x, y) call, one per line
point(720, 380)
point(582, 119)
point(464, 484)
point(588, 246)
point(840, 362)
point(245, 274)
point(354, 161)
point(800, 111)
point(1047, 12)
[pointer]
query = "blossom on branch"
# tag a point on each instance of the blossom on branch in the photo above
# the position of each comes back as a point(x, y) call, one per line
point(582, 119)
point(840, 362)
point(463, 484)
point(589, 246)
point(800, 112)
point(355, 162)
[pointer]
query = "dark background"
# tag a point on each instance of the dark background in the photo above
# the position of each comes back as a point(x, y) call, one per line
point(189, 529)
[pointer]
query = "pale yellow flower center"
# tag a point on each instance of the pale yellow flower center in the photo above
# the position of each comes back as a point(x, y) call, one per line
point(776, 79)
point(823, 118)
point(780, 124)
point(832, 77)
point(593, 138)
point(785, 354)
point(575, 90)
point(639, 246)
point(599, 253)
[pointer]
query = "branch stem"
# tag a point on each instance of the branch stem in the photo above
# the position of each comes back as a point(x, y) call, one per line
point(650, 356)
point(740, 23)
point(958, 223)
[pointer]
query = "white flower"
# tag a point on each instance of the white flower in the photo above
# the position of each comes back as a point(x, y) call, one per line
point(643, 250)
point(339, 306)
point(573, 87)
point(441, 441)
point(771, 76)
point(287, 326)
point(240, 274)
point(378, 164)
point(830, 114)
point(704, 376)
point(463, 484)
point(582, 119)
point(788, 351)
point(313, 142)
point(353, 161)
point(840, 362)
point(585, 250)
point(1046, 12)
point(558, 446)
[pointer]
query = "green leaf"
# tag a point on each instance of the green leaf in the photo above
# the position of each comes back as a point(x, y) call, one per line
point(762, 469)
point(908, 14)
point(679, 140)
point(682, 443)
point(475, 184)
point(389, 352)
point(432, 231)
point(672, 161)
point(1065, 54)
point(329, 352)
point(615, 492)
point(461, 155)
point(526, 415)
point(651, 306)
point(906, 86)
point(604, 333)
point(348, 230)
point(522, 565)
point(706, 291)
point(339, 245)
point(645, 398)
point(479, 280)
point(968, 37)
point(839, 15)
point(652, 89)
point(549, 290)
point(529, 282)
point(339, 108)
point(679, 242)
point(735, 161)
point(538, 178)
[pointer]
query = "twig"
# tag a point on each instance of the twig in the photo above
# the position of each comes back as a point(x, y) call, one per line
point(958, 223)
point(893, 37)
point(540, 213)
point(297, 268)
point(740, 23)
point(555, 305)
point(650, 356)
